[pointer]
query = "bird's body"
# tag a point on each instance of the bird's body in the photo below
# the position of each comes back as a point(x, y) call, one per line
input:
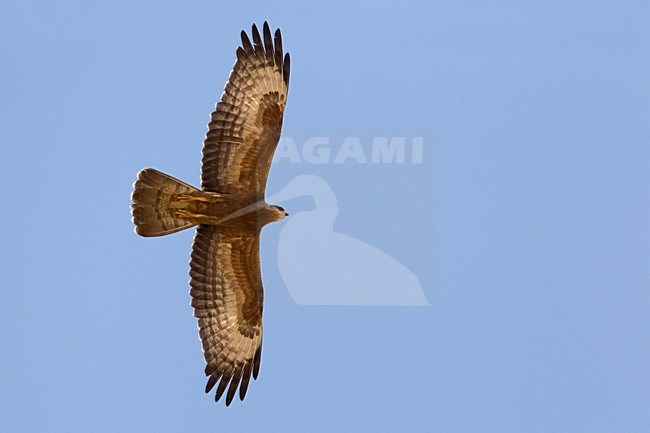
point(235, 212)
point(229, 211)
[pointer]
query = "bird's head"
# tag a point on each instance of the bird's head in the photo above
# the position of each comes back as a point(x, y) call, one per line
point(278, 213)
point(268, 213)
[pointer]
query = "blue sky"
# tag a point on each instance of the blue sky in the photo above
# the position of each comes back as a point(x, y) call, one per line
point(526, 223)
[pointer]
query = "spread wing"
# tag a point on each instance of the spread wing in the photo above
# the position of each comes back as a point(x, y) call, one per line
point(227, 298)
point(246, 124)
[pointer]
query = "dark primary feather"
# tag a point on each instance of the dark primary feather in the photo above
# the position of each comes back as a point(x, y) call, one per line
point(278, 47)
point(285, 69)
point(268, 42)
point(222, 387)
point(246, 377)
point(246, 42)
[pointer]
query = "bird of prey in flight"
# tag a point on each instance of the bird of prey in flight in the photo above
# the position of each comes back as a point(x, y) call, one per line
point(229, 211)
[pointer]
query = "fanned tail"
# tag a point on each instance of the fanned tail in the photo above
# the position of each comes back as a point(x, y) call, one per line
point(154, 203)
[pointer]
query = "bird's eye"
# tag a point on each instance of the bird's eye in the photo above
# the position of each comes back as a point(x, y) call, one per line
point(280, 208)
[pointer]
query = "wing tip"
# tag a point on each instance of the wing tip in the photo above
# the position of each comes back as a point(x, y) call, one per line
point(268, 46)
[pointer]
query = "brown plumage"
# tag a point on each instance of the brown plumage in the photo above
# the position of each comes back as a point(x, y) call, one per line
point(229, 210)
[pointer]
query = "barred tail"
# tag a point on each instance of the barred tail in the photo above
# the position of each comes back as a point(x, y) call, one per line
point(154, 207)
